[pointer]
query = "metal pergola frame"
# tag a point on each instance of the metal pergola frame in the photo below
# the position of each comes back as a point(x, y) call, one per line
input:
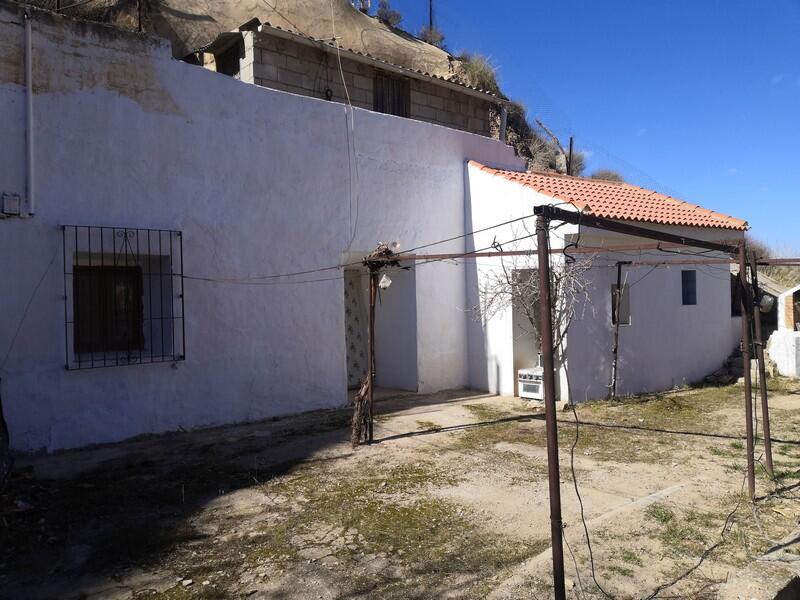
point(737, 250)
point(546, 214)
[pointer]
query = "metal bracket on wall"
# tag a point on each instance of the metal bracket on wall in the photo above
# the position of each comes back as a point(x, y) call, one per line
point(10, 205)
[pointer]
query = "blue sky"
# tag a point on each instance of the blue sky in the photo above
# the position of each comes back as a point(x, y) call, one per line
point(699, 99)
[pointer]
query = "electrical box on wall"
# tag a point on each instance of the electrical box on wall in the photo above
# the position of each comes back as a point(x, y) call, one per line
point(10, 205)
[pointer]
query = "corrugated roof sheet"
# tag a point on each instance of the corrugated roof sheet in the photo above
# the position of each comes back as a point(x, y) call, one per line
point(619, 200)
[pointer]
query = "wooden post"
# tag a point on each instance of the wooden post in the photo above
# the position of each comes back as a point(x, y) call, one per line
point(373, 290)
point(747, 307)
point(551, 425)
point(762, 371)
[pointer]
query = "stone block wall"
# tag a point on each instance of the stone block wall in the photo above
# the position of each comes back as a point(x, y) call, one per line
point(294, 67)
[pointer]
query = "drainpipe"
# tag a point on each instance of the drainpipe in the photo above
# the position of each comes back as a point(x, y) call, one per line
point(29, 114)
point(503, 122)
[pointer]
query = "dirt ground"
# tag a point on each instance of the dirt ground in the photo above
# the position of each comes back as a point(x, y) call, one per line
point(452, 502)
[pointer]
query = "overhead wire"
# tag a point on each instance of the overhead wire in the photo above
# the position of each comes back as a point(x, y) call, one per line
point(350, 126)
point(261, 283)
point(74, 5)
point(569, 259)
point(337, 267)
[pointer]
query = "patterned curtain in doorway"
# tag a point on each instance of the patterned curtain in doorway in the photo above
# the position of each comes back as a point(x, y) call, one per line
point(355, 333)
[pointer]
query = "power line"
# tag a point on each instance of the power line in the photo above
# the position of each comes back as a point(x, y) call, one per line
point(350, 123)
point(337, 267)
point(260, 283)
point(74, 5)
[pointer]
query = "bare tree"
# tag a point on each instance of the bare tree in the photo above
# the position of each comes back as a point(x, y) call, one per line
point(431, 35)
point(388, 15)
point(515, 284)
point(607, 175)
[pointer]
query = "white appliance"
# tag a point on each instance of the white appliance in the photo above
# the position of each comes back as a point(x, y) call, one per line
point(530, 383)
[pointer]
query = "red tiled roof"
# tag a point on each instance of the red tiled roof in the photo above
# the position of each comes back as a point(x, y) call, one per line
point(618, 200)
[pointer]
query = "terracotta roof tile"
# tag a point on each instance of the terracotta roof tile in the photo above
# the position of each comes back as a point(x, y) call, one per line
point(618, 200)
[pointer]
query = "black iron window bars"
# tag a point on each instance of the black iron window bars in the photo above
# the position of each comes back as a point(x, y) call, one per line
point(123, 296)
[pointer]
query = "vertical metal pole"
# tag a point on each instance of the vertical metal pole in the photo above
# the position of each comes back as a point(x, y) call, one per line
point(747, 306)
point(66, 297)
point(569, 158)
point(503, 123)
point(758, 342)
point(546, 335)
point(373, 288)
point(183, 295)
point(617, 304)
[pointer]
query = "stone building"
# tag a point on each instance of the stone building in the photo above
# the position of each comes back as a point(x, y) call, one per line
point(273, 57)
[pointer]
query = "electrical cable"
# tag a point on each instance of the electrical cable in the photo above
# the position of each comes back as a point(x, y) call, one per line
point(260, 283)
point(287, 19)
point(571, 260)
point(581, 594)
point(256, 278)
point(580, 503)
point(74, 5)
point(464, 235)
point(350, 126)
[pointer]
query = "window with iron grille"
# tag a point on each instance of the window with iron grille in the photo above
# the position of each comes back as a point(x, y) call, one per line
point(392, 96)
point(123, 296)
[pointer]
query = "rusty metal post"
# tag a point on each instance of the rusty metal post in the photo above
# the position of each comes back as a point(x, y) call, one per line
point(373, 289)
point(546, 335)
point(747, 307)
point(615, 351)
point(758, 342)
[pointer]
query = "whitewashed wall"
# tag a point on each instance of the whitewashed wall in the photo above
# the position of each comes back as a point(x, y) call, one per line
point(667, 344)
point(493, 362)
point(258, 181)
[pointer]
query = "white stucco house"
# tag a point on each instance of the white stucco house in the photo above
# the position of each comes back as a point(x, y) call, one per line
point(181, 249)
point(784, 344)
point(676, 323)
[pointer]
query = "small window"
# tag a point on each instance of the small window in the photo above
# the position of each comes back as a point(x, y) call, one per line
point(689, 287)
point(108, 309)
point(123, 290)
point(229, 60)
point(392, 96)
point(624, 304)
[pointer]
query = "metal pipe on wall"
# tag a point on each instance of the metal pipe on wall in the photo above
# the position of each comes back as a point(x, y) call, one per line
point(373, 290)
point(29, 118)
point(615, 351)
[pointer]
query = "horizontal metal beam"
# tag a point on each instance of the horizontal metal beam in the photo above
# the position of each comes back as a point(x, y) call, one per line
point(557, 214)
